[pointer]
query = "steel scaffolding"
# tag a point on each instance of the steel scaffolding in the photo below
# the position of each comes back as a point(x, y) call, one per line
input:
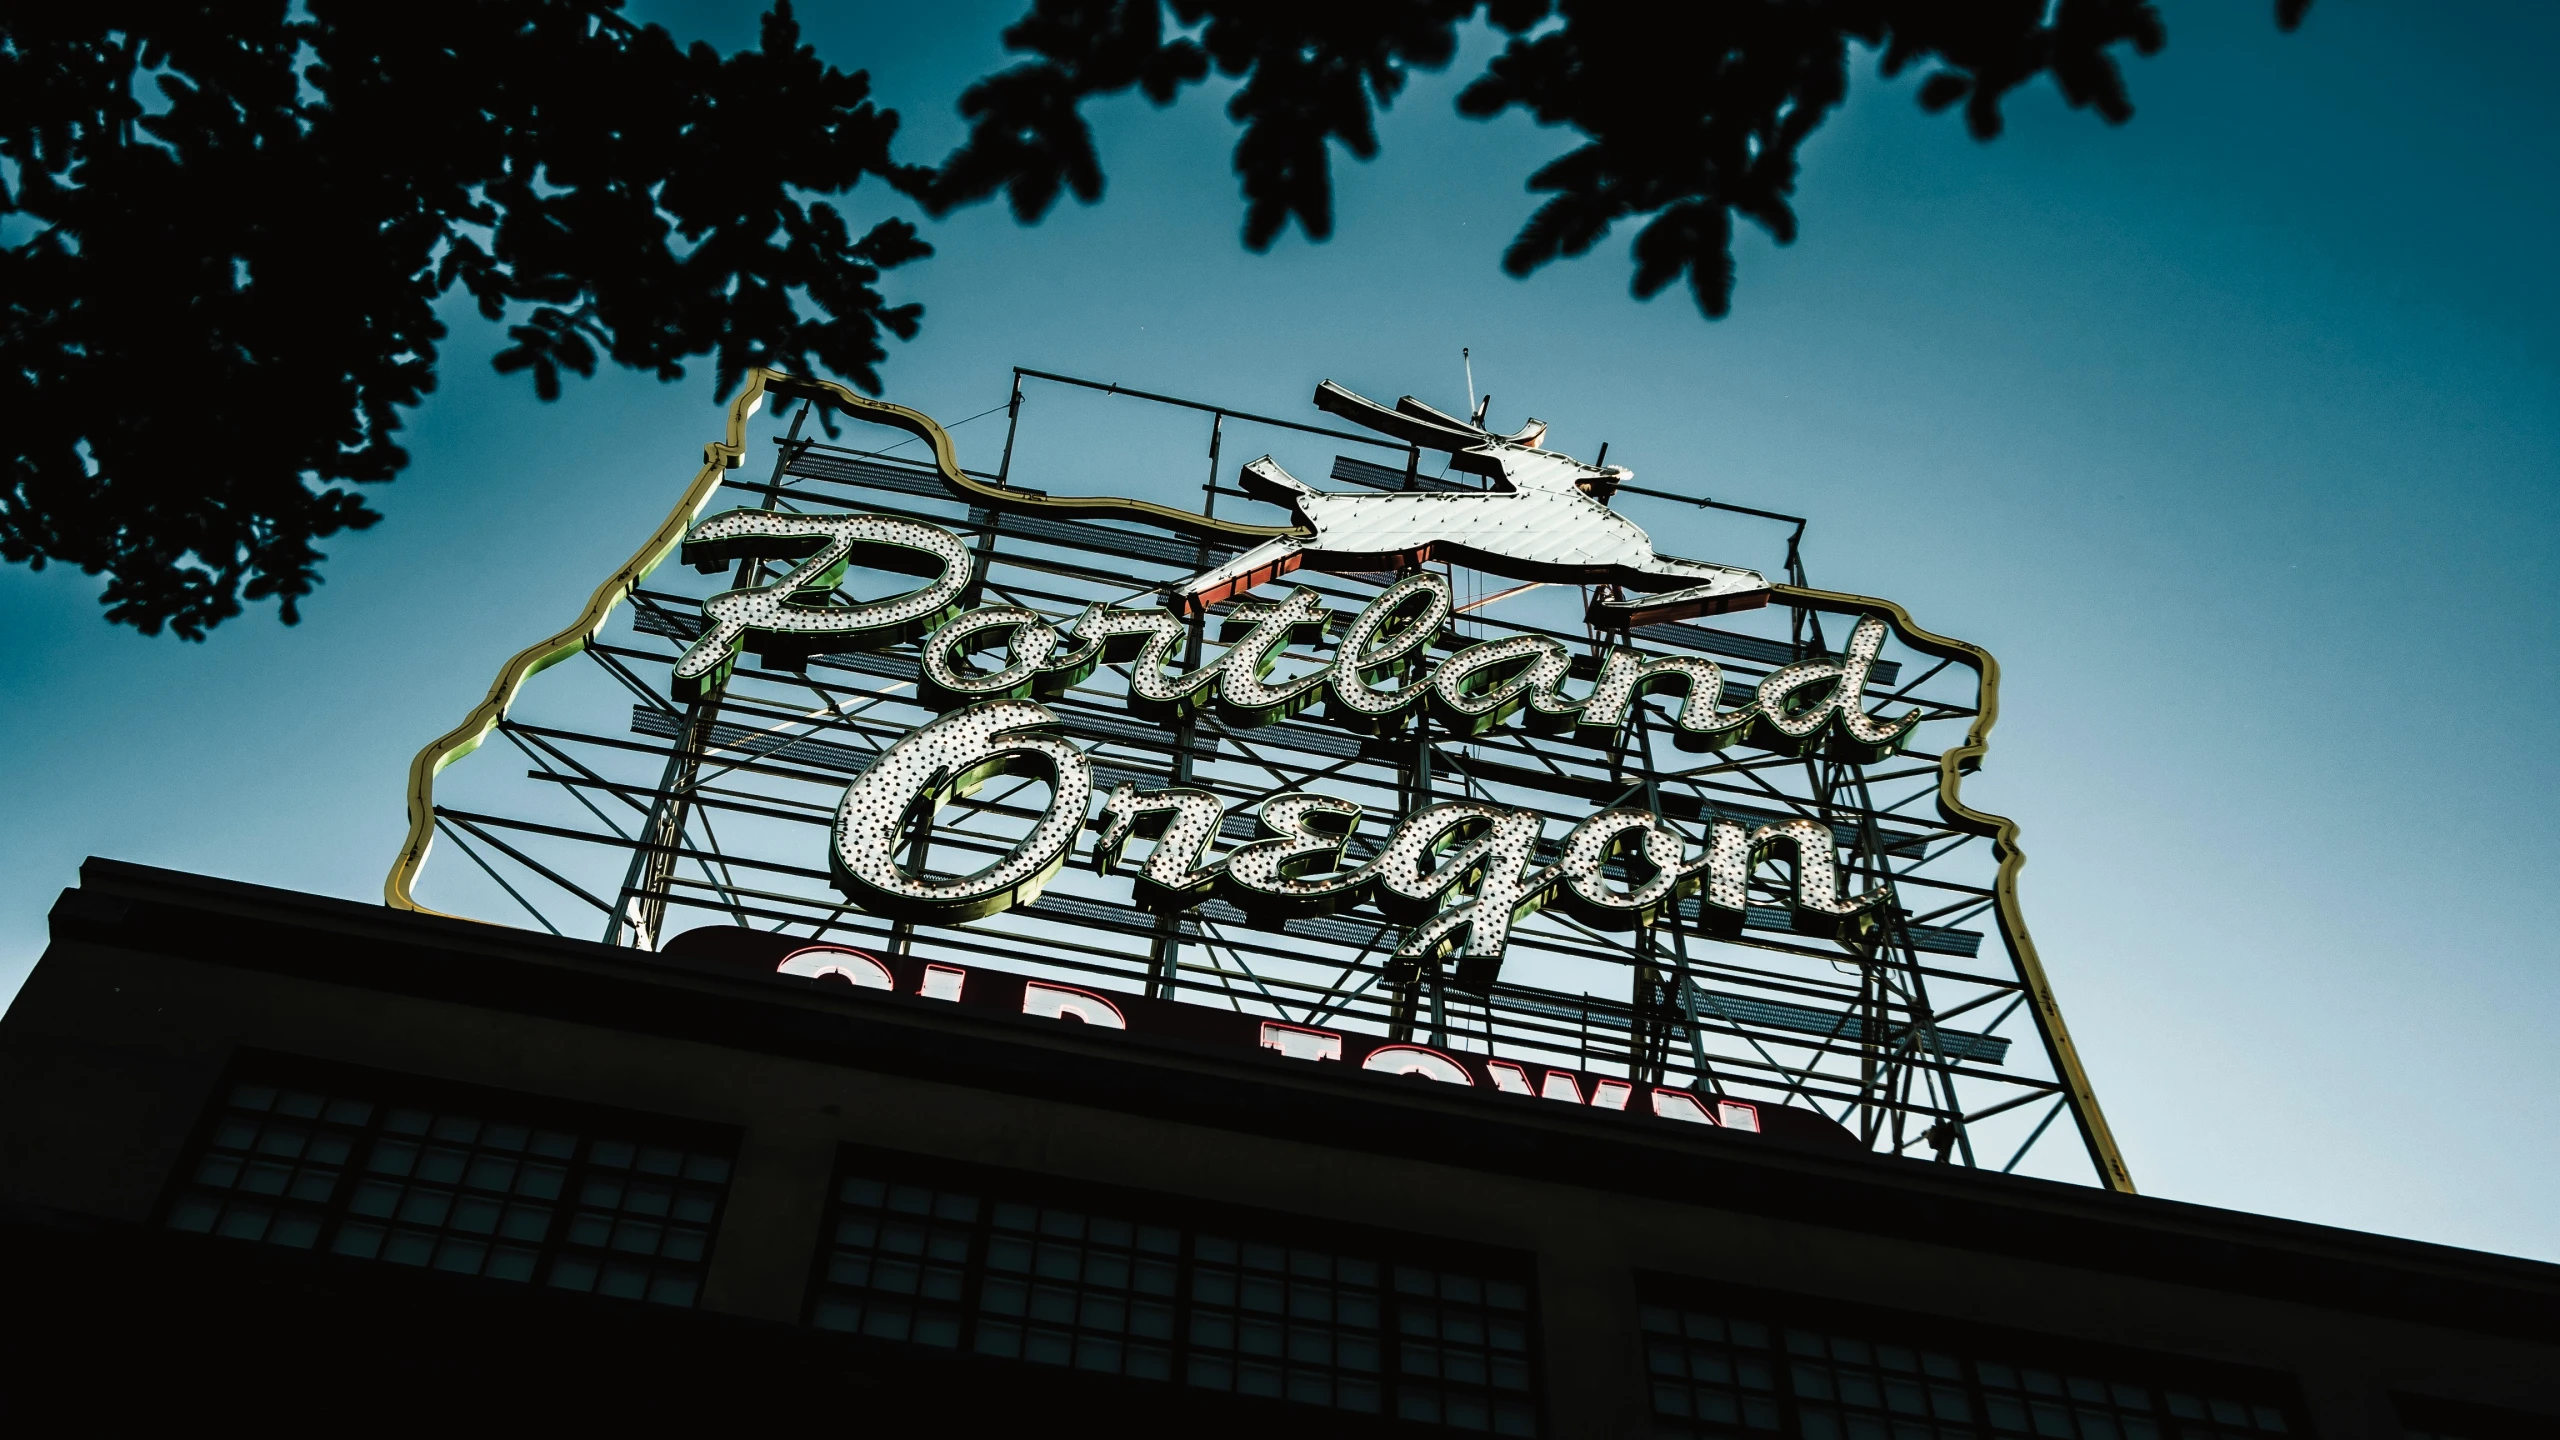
point(715, 812)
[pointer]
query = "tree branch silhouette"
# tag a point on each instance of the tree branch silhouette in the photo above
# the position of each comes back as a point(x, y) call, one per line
point(1691, 116)
point(230, 226)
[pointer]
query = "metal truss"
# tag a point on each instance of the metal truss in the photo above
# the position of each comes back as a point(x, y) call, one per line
point(676, 815)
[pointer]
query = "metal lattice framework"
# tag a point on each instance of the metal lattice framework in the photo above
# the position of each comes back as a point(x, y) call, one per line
point(1935, 1036)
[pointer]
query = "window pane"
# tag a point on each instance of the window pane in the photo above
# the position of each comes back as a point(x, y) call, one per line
point(1063, 1280)
point(431, 1186)
point(1843, 1381)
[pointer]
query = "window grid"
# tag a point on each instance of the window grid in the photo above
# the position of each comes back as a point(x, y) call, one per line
point(1066, 1288)
point(897, 1269)
point(271, 1166)
point(338, 1170)
point(1714, 1374)
point(978, 1267)
point(1302, 1325)
point(1472, 1336)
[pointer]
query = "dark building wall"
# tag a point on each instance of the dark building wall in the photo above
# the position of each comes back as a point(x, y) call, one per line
point(156, 982)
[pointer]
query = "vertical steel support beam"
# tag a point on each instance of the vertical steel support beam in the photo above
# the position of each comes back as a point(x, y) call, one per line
point(1413, 778)
point(641, 908)
point(1164, 975)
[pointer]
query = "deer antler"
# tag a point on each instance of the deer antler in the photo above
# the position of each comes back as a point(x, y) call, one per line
point(1527, 436)
point(1415, 423)
point(1431, 431)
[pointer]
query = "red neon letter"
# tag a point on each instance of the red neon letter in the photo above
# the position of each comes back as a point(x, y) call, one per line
point(851, 966)
point(1300, 1043)
point(1417, 1060)
point(1680, 1105)
point(1065, 1002)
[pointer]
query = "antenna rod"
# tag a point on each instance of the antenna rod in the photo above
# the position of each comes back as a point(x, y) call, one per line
point(1464, 358)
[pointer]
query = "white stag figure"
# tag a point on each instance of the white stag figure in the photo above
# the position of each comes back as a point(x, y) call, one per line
point(1545, 517)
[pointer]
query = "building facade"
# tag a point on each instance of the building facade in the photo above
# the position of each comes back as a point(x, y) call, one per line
point(249, 1136)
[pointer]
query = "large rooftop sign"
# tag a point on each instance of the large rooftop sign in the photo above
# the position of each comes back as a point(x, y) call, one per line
point(1375, 808)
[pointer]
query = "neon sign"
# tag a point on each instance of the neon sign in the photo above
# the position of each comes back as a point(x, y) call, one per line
point(1363, 1054)
point(1457, 874)
point(786, 622)
point(1009, 700)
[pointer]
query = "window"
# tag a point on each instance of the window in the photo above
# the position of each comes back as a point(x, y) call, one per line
point(1154, 1289)
point(1471, 1335)
point(509, 1187)
point(1748, 1367)
point(899, 1263)
point(1067, 1288)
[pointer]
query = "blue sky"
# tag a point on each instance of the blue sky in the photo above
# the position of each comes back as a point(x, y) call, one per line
point(2233, 433)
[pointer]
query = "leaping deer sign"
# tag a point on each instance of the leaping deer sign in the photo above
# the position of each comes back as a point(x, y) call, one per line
point(1546, 517)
